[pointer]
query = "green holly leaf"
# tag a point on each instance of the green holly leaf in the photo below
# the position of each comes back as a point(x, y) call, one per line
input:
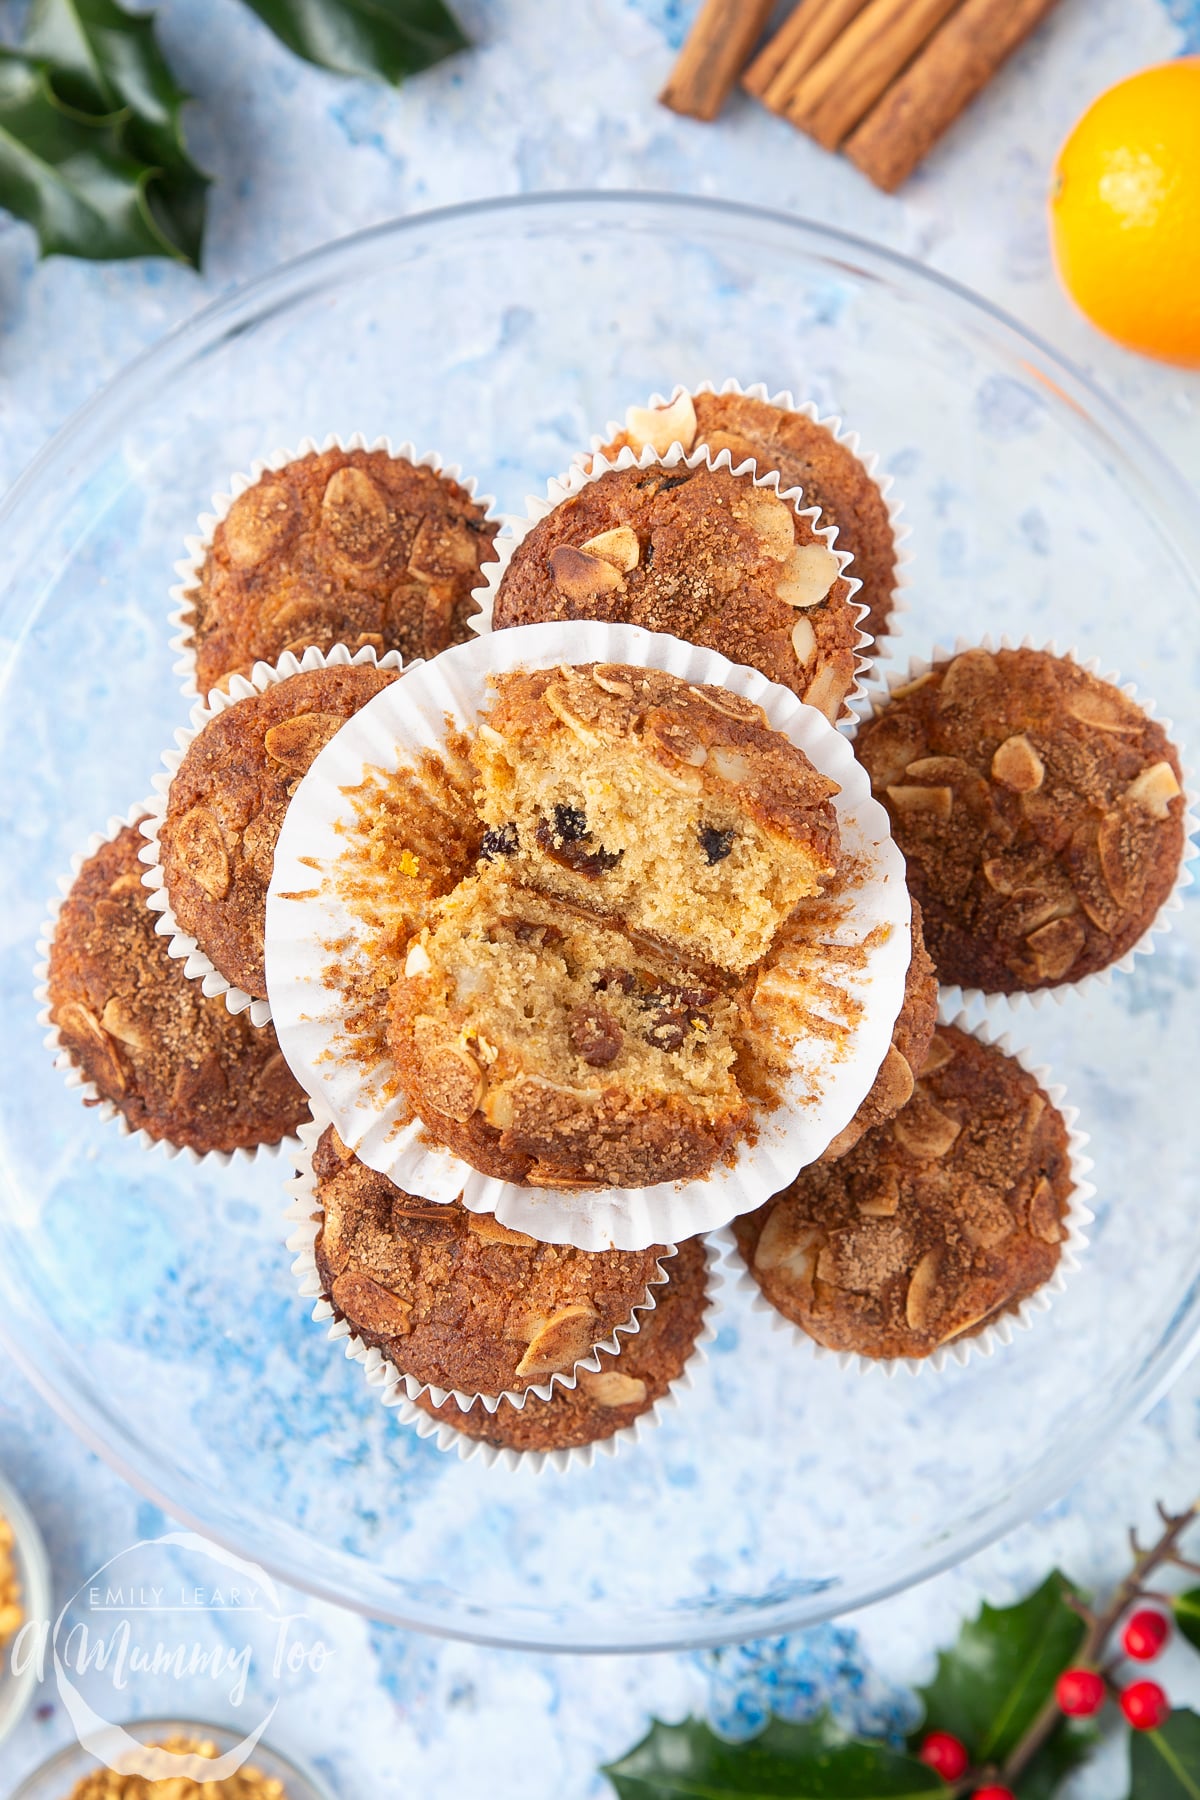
point(1186, 1608)
point(105, 63)
point(991, 1686)
point(388, 39)
point(787, 1762)
point(1070, 1744)
point(72, 180)
point(1165, 1764)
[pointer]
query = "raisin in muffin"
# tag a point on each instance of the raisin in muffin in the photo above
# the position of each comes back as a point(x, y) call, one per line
point(175, 1064)
point(548, 1047)
point(454, 1298)
point(1040, 811)
point(934, 1223)
point(671, 807)
point(226, 805)
point(350, 547)
point(626, 1386)
point(704, 555)
point(806, 455)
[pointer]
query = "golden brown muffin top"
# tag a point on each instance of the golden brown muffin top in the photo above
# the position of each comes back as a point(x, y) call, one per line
point(347, 547)
point(454, 1298)
point(699, 553)
point(176, 1064)
point(226, 806)
point(626, 1386)
point(933, 1223)
point(1040, 811)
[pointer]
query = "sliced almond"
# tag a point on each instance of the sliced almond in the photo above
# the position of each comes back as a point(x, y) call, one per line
point(620, 547)
point(201, 848)
point(826, 691)
point(1056, 946)
point(884, 1201)
point(560, 1341)
point(888, 746)
point(786, 1247)
point(968, 677)
point(297, 742)
point(1154, 789)
point(443, 549)
point(580, 577)
point(658, 427)
point(498, 1108)
point(355, 513)
point(489, 1228)
point(808, 574)
point(922, 802)
point(1105, 709)
point(939, 1053)
point(417, 961)
point(911, 687)
point(730, 765)
point(613, 680)
point(1017, 765)
point(804, 641)
point(893, 1086)
point(1044, 1221)
point(257, 523)
point(76, 1021)
point(773, 523)
point(370, 1306)
point(121, 1022)
point(609, 1387)
point(453, 1082)
point(924, 1131)
point(921, 1302)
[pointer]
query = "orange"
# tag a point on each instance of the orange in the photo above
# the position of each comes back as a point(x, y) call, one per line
point(1125, 212)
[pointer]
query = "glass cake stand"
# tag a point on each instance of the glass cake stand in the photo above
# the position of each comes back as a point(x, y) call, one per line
point(151, 1301)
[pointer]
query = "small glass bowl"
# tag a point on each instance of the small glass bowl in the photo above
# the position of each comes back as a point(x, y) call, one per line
point(33, 1571)
point(57, 1776)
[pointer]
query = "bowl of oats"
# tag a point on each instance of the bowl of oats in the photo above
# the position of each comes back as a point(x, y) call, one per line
point(74, 1773)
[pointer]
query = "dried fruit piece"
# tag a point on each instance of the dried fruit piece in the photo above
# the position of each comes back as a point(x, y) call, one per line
point(297, 742)
point(453, 1082)
point(200, 846)
point(808, 574)
point(1055, 947)
point(715, 843)
point(917, 803)
point(580, 577)
point(609, 1387)
point(620, 547)
point(489, 1228)
point(1154, 789)
point(658, 427)
point(560, 1341)
point(501, 840)
point(921, 1303)
point(594, 1034)
point(1018, 766)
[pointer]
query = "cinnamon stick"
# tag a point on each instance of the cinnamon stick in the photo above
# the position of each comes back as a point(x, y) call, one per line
point(957, 62)
point(804, 35)
point(717, 49)
point(844, 85)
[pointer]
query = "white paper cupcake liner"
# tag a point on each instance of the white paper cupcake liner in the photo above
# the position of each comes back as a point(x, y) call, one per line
point(379, 1372)
point(823, 1091)
point(884, 646)
point(87, 1090)
point(196, 964)
point(183, 615)
point(467, 1449)
point(986, 1342)
point(564, 487)
point(879, 691)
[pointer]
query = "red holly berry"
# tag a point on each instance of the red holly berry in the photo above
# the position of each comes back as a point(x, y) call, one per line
point(1145, 1635)
point(944, 1754)
point(1145, 1705)
point(994, 1793)
point(1079, 1692)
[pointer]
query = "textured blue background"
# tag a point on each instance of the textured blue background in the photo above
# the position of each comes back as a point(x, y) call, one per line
point(562, 96)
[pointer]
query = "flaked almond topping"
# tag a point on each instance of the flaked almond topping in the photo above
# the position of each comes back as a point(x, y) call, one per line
point(556, 699)
point(925, 1132)
point(1044, 1221)
point(999, 876)
point(826, 691)
point(730, 765)
point(889, 747)
point(74, 1020)
point(808, 574)
point(921, 1302)
point(967, 677)
point(1154, 789)
point(417, 961)
point(884, 1201)
point(365, 1303)
point(1018, 766)
point(297, 742)
point(581, 577)
point(453, 1082)
point(733, 706)
point(932, 802)
point(1055, 946)
point(609, 1387)
point(498, 1108)
point(560, 1341)
point(1116, 863)
point(443, 549)
point(773, 523)
point(620, 547)
point(661, 426)
point(489, 1228)
point(258, 521)
point(804, 641)
point(355, 513)
point(1104, 709)
point(121, 1022)
point(940, 1053)
point(201, 848)
point(893, 1086)
point(911, 687)
point(609, 677)
point(786, 1247)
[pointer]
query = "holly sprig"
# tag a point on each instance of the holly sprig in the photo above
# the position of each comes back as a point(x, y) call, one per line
point(92, 148)
point(1012, 1709)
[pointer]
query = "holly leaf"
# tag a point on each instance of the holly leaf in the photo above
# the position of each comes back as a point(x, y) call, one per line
point(1165, 1764)
point(71, 179)
point(105, 63)
point(991, 1686)
point(799, 1762)
point(388, 39)
point(1067, 1746)
point(1186, 1608)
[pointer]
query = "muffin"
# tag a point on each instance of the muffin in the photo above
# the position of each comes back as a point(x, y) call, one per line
point(932, 1225)
point(912, 1035)
point(455, 1299)
point(1040, 811)
point(626, 1386)
point(226, 804)
point(175, 1064)
point(806, 455)
point(548, 1047)
point(672, 807)
point(704, 555)
point(351, 547)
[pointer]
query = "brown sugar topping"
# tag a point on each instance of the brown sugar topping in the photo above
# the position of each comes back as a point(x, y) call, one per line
point(704, 555)
point(226, 806)
point(627, 1385)
point(454, 1298)
point(1040, 810)
point(178, 1065)
point(933, 1223)
point(347, 547)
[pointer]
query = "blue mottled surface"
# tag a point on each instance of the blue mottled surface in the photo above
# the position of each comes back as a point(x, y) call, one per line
point(553, 97)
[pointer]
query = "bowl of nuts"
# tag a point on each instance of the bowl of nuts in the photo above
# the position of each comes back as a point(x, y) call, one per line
point(74, 1773)
point(24, 1595)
